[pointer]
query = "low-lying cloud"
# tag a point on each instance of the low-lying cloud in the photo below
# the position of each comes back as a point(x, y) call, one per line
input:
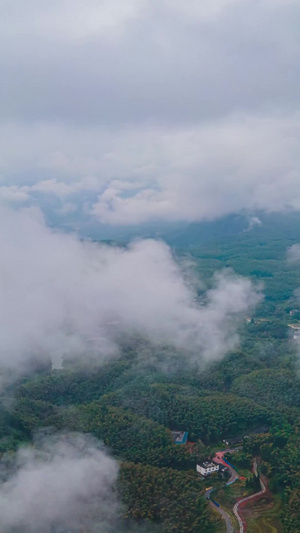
point(66, 482)
point(293, 254)
point(62, 296)
point(132, 175)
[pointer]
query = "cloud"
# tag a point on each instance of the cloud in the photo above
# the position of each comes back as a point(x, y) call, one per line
point(195, 106)
point(65, 481)
point(158, 173)
point(293, 253)
point(209, 172)
point(129, 61)
point(61, 296)
point(13, 195)
point(253, 221)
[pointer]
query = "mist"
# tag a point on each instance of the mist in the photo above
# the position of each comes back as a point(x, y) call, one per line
point(64, 297)
point(61, 481)
point(293, 254)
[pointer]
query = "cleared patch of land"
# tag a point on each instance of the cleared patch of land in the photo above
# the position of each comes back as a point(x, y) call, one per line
point(262, 515)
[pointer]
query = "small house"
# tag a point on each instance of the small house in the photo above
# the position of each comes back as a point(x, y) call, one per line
point(207, 468)
point(180, 437)
point(231, 441)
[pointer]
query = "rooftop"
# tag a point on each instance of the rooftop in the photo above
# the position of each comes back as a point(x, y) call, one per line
point(180, 437)
point(233, 440)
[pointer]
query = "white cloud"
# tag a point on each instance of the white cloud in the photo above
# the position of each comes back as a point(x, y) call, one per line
point(213, 170)
point(293, 253)
point(62, 296)
point(13, 194)
point(64, 481)
point(141, 174)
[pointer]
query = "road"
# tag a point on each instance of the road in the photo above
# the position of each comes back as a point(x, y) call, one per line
point(222, 513)
point(219, 458)
point(256, 495)
point(225, 517)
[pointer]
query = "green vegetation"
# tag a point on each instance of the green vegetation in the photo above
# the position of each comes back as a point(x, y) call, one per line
point(176, 500)
point(263, 515)
point(133, 405)
point(270, 386)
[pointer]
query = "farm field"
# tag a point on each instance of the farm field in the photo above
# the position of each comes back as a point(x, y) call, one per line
point(262, 515)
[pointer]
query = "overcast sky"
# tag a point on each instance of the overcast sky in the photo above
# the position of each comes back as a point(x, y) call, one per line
point(146, 110)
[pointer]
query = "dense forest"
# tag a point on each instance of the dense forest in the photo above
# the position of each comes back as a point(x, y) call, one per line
point(133, 407)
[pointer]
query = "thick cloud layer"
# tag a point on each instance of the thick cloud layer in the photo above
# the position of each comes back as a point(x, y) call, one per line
point(129, 61)
point(134, 176)
point(64, 481)
point(63, 296)
point(140, 110)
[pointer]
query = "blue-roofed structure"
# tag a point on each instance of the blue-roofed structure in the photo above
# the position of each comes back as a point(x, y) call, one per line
point(180, 437)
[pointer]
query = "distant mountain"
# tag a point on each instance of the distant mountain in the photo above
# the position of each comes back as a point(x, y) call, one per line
point(232, 228)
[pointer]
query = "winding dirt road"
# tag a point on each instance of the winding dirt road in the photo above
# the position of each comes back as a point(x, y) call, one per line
point(218, 458)
point(240, 519)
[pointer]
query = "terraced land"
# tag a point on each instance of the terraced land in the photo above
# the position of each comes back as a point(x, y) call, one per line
point(262, 515)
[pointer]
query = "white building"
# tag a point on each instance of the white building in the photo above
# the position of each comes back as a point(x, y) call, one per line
point(207, 468)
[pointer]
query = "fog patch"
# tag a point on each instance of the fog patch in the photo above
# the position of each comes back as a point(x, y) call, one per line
point(65, 481)
point(293, 253)
point(62, 297)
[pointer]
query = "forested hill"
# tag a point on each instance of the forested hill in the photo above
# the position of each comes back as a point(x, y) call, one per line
point(252, 245)
point(133, 410)
point(247, 227)
point(258, 251)
point(133, 406)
